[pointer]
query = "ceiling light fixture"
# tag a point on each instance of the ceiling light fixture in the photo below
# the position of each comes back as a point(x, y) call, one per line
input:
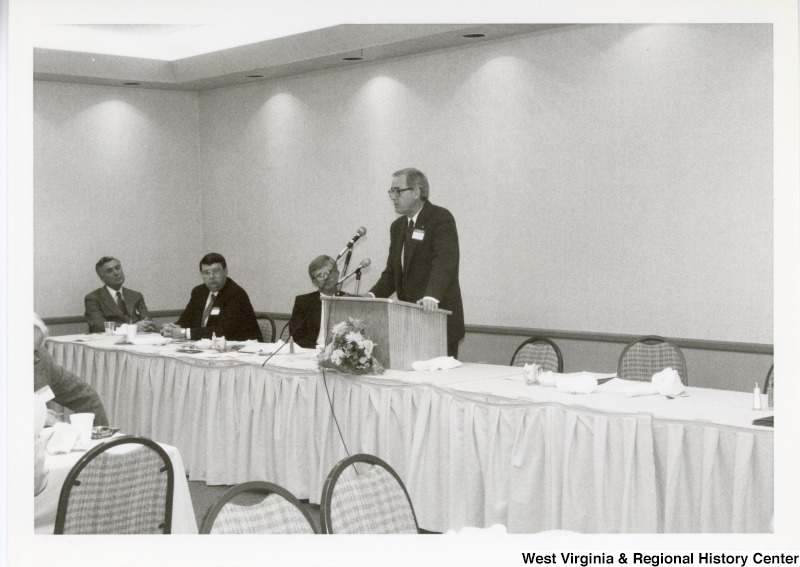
point(131, 83)
point(254, 76)
point(473, 35)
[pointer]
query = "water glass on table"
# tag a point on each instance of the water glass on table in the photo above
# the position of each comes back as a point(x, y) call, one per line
point(110, 327)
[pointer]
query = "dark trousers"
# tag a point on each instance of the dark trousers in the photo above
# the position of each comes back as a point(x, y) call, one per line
point(452, 349)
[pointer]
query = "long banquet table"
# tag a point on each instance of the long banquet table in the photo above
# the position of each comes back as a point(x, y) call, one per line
point(475, 445)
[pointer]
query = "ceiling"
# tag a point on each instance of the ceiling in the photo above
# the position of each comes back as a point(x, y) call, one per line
point(202, 57)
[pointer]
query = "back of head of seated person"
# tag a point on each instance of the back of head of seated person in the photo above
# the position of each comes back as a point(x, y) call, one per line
point(65, 388)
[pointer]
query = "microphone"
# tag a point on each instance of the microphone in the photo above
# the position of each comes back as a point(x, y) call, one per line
point(359, 233)
point(364, 264)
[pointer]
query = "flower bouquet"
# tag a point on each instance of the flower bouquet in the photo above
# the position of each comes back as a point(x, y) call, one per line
point(349, 351)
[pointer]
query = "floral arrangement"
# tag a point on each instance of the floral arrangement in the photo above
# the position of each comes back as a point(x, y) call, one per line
point(349, 351)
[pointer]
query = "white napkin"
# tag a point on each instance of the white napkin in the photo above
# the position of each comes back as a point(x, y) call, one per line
point(150, 340)
point(122, 329)
point(666, 383)
point(63, 438)
point(438, 363)
point(578, 383)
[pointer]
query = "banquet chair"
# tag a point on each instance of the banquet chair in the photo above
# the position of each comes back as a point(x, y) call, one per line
point(267, 326)
point(285, 332)
point(278, 512)
point(645, 356)
point(768, 379)
point(539, 350)
point(364, 495)
point(115, 492)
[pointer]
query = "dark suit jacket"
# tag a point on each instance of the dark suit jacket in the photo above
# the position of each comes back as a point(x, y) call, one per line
point(69, 390)
point(431, 266)
point(101, 307)
point(306, 315)
point(236, 320)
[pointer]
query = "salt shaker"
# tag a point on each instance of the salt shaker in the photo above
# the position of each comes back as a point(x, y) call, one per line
point(770, 397)
point(757, 397)
point(291, 345)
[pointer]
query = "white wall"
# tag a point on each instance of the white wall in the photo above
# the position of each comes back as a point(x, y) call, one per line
point(613, 178)
point(115, 173)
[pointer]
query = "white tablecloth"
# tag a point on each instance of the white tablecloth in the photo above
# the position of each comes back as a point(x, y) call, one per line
point(474, 445)
point(45, 504)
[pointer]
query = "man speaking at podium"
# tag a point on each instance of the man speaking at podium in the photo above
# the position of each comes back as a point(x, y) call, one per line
point(423, 254)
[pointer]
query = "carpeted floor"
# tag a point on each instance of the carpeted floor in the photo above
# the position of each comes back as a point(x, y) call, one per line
point(204, 496)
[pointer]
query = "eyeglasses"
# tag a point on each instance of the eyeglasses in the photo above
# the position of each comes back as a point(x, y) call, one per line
point(394, 192)
point(321, 275)
point(212, 272)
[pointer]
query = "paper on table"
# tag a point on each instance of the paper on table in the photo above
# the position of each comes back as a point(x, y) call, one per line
point(266, 349)
point(550, 378)
point(438, 363)
point(578, 383)
point(150, 340)
point(61, 438)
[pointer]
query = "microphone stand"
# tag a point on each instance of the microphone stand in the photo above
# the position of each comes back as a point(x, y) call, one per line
point(346, 264)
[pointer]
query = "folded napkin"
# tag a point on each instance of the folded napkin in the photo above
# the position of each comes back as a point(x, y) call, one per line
point(438, 363)
point(62, 438)
point(666, 383)
point(578, 383)
point(122, 329)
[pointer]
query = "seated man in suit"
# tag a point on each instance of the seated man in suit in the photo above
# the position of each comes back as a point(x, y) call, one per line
point(305, 323)
point(67, 389)
point(218, 306)
point(112, 302)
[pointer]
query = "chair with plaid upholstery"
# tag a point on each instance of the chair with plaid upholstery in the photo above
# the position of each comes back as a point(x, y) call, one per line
point(271, 509)
point(285, 332)
point(648, 355)
point(364, 495)
point(118, 490)
point(539, 350)
point(267, 325)
point(768, 379)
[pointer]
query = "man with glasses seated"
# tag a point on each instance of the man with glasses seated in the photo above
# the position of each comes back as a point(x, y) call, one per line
point(305, 325)
point(219, 306)
point(423, 254)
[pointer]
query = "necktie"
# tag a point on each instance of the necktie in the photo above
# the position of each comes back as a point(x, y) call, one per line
point(407, 243)
point(210, 305)
point(122, 306)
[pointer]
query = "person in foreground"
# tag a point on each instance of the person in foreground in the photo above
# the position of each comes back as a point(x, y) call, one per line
point(112, 302)
point(67, 389)
point(219, 306)
point(306, 321)
point(423, 254)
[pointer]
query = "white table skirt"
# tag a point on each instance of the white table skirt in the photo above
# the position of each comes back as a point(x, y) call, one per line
point(45, 504)
point(468, 457)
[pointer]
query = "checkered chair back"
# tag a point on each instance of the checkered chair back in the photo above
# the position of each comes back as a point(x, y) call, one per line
point(278, 512)
point(768, 379)
point(363, 495)
point(647, 355)
point(539, 350)
point(110, 492)
point(267, 326)
point(285, 332)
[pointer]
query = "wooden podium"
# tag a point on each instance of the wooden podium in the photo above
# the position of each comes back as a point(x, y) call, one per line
point(402, 332)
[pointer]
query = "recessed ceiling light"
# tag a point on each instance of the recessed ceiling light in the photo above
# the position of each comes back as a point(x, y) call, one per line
point(131, 83)
point(352, 58)
point(254, 76)
point(473, 35)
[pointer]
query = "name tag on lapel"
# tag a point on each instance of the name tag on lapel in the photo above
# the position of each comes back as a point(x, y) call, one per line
point(214, 311)
point(417, 234)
